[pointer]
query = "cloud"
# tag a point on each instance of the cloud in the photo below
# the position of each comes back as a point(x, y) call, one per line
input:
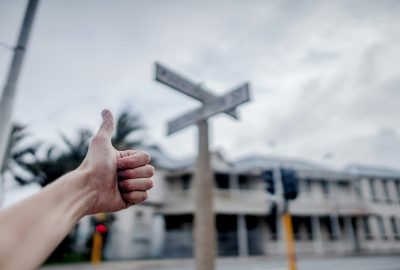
point(324, 75)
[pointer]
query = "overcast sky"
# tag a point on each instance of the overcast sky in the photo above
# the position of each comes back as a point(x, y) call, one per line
point(325, 75)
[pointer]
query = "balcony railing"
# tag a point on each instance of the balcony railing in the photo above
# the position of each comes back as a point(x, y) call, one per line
point(225, 201)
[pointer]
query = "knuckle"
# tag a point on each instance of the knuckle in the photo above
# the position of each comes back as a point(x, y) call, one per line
point(124, 185)
point(131, 174)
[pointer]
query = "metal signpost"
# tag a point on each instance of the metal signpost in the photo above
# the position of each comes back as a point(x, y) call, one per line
point(7, 98)
point(204, 180)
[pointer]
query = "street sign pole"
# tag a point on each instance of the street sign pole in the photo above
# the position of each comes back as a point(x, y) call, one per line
point(204, 220)
point(204, 213)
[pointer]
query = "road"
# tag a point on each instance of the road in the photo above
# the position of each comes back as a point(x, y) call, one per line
point(253, 263)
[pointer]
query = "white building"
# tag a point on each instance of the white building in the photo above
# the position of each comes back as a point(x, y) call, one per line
point(337, 212)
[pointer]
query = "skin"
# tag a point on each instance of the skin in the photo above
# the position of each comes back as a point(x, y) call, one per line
point(107, 181)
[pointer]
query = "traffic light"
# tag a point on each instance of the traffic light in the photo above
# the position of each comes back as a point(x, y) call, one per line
point(268, 177)
point(99, 236)
point(100, 222)
point(290, 184)
point(101, 228)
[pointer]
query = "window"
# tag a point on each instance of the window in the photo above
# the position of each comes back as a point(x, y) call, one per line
point(382, 227)
point(325, 188)
point(398, 190)
point(185, 181)
point(244, 182)
point(386, 190)
point(307, 185)
point(395, 230)
point(272, 225)
point(357, 191)
point(222, 181)
point(326, 224)
point(366, 227)
point(372, 190)
point(178, 222)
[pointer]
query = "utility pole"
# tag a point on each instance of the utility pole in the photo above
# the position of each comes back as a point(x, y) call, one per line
point(204, 220)
point(290, 245)
point(10, 87)
point(290, 185)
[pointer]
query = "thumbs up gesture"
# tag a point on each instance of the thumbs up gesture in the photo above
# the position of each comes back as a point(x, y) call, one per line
point(116, 179)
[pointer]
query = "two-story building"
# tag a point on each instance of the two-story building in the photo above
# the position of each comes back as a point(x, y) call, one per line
point(356, 210)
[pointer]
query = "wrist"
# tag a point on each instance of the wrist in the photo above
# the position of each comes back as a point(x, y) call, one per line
point(78, 195)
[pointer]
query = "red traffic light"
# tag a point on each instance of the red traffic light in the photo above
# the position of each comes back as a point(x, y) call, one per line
point(101, 228)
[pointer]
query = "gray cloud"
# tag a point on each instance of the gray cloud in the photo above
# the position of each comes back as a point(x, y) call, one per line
point(324, 75)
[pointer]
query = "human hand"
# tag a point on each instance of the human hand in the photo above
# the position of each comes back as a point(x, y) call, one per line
point(103, 166)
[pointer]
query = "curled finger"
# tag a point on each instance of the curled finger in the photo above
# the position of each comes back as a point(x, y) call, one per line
point(139, 159)
point(141, 184)
point(139, 172)
point(134, 197)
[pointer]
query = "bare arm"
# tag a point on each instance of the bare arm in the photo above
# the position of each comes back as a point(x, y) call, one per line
point(31, 229)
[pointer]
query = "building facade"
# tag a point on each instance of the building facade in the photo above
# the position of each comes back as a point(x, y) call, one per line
point(353, 211)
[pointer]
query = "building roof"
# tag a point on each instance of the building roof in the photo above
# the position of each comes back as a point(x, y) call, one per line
point(253, 162)
point(376, 171)
point(257, 161)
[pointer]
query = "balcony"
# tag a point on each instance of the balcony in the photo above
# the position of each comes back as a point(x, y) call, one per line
point(319, 205)
point(226, 201)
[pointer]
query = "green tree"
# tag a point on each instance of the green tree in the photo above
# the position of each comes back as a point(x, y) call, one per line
point(20, 161)
point(57, 162)
point(127, 129)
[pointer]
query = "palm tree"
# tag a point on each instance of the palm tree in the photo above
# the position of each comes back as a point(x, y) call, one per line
point(57, 163)
point(126, 131)
point(20, 161)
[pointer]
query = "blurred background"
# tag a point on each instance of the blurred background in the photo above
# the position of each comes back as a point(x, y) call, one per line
point(325, 101)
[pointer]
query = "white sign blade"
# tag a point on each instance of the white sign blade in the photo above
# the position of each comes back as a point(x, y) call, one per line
point(185, 86)
point(221, 104)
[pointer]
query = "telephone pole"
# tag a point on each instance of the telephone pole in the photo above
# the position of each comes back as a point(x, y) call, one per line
point(10, 87)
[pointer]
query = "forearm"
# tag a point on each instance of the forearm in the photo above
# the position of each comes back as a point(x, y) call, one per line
point(41, 222)
point(32, 229)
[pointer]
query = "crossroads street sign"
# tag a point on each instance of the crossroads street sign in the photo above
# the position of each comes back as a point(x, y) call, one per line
point(204, 233)
point(218, 105)
point(185, 86)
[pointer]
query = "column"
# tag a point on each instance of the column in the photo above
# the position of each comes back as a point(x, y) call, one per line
point(351, 233)
point(242, 236)
point(158, 236)
point(317, 235)
point(233, 184)
point(336, 233)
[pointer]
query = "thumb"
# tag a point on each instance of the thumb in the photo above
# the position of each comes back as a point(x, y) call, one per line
point(107, 126)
